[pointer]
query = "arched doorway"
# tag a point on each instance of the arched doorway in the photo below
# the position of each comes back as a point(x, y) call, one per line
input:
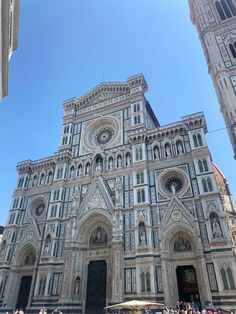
point(184, 267)
point(97, 271)
point(28, 263)
point(187, 284)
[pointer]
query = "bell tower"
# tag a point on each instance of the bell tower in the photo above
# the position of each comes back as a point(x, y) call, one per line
point(216, 24)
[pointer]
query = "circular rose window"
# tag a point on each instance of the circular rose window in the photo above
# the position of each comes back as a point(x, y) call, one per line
point(172, 181)
point(104, 136)
point(39, 208)
point(173, 185)
point(103, 131)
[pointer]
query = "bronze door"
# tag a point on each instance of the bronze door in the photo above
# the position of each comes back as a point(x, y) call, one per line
point(24, 291)
point(96, 285)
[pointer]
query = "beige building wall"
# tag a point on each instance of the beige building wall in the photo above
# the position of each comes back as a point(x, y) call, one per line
point(9, 21)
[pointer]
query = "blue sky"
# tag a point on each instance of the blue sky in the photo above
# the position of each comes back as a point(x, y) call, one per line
point(66, 47)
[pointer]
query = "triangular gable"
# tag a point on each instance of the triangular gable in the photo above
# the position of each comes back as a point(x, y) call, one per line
point(176, 213)
point(97, 197)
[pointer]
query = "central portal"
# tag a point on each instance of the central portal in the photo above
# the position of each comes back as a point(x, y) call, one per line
point(96, 286)
point(187, 284)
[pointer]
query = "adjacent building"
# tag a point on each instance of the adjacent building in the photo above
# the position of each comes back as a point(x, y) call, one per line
point(216, 25)
point(125, 209)
point(9, 22)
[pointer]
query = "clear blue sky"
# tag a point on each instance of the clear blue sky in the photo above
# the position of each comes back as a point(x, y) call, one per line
point(66, 47)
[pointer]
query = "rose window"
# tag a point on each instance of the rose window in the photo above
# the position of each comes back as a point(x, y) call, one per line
point(104, 136)
point(173, 185)
point(39, 209)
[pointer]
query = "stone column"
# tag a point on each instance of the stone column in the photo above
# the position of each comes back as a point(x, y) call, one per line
point(117, 259)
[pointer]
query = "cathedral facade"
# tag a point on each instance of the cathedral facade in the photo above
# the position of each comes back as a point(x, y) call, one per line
point(125, 209)
point(216, 24)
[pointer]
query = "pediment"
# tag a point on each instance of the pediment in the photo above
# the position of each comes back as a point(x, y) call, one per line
point(176, 214)
point(30, 235)
point(97, 198)
point(103, 92)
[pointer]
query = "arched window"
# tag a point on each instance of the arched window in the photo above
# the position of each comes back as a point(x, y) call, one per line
point(26, 182)
point(232, 48)
point(230, 278)
point(71, 173)
point(204, 185)
point(195, 141)
point(199, 139)
point(200, 166)
point(139, 153)
point(9, 255)
point(34, 183)
point(209, 184)
point(141, 196)
point(224, 279)
point(49, 177)
point(79, 171)
point(41, 181)
point(148, 282)
point(137, 107)
point(137, 119)
point(142, 282)
point(140, 177)
point(205, 165)
point(225, 8)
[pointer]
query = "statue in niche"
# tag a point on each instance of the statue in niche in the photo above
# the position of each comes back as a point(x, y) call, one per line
point(119, 162)
point(156, 153)
point(110, 164)
point(182, 245)
point(216, 231)
point(179, 148)
point(80, 171)
point(128, 160)
point(74, 201)
point(168, 150)
point(117, 189)
point(142, 234)
point(99, 236)
point(88, 168)
point(47, 245)
point(77, 286)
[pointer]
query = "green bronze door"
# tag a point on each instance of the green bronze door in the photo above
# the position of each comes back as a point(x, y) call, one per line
point(24, 292)
point(96, 286)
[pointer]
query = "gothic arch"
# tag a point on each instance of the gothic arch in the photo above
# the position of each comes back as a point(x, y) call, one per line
point(23, 252)
point(89, 223)
point(167, 244)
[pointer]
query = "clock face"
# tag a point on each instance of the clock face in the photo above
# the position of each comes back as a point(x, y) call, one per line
point(104, 136)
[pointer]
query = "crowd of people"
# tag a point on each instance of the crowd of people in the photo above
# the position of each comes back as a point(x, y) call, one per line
point(192, 308)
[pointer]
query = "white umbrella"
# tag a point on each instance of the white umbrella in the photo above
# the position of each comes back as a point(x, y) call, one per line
point(134, 305)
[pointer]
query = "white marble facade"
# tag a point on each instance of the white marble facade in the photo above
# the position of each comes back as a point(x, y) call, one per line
point(216, 25)
point(124, 190)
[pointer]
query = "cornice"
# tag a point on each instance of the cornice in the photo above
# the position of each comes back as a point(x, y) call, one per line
point(30, 166)
point(187, 123)
point(119, 88)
